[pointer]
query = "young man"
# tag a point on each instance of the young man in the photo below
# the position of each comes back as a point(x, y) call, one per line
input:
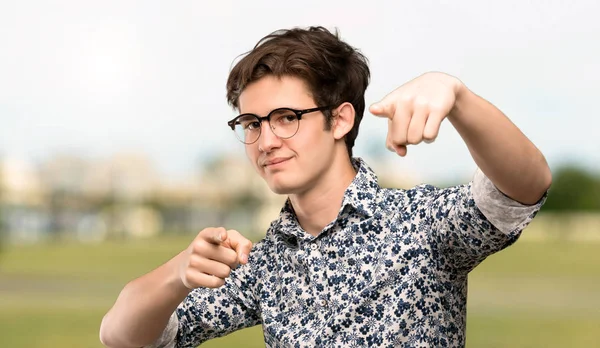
point(347, 263)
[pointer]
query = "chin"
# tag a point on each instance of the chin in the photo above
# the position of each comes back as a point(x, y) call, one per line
point(282, 187)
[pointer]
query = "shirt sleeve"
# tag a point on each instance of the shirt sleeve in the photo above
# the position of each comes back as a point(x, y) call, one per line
point(470, 222)
point(209, 313)
point(167, 338)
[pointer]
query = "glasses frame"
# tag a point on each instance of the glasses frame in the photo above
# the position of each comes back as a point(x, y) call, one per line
point(232, 123)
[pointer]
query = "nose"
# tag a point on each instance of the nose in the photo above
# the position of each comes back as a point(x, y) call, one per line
point(268, 140)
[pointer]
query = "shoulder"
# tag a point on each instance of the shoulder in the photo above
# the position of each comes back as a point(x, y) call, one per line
point(421, 194)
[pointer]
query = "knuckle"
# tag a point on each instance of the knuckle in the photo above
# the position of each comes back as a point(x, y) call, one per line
point(398, 139)
point(230, 257)
point(420, 101)
point(436, 108)
point(405, 98)
point(216, 282)
point(428, 138)
point(198, 246)
point(195, 261)
point(413, 141)
point(224, 272)
point(233, 232)
point(189, 275)
point(429, 134)
point(414, 137)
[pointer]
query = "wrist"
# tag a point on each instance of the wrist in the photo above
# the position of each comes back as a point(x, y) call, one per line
point(174, 281)
point(461, 93)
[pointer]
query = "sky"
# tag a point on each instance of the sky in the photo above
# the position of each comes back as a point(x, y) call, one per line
point(93, 78)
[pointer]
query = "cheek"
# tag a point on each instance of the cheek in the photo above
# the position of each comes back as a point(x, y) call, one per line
point(315, 139)
point(252, 153)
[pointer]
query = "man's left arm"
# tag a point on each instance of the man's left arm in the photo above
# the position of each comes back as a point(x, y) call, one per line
point(469, 222)
point(502, 152)
point(416, 110)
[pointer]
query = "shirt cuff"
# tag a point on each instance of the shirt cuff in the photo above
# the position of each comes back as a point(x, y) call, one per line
point(167, 338)
point(506, 214)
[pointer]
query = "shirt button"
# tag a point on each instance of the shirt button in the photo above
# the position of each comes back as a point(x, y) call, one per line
point(314, 246)
point(323, 303)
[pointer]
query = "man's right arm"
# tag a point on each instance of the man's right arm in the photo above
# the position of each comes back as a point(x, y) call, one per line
point(143, 308)
point(145, 305)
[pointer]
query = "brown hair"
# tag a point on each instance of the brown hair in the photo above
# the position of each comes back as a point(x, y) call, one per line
point(334, 71)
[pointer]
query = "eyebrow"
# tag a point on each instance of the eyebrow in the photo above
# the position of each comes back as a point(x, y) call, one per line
point(265, 114)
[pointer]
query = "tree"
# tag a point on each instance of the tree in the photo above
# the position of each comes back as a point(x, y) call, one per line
point(573, 189)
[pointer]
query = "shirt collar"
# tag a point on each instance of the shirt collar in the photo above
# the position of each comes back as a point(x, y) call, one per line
point(362, 192)
point(360, 195)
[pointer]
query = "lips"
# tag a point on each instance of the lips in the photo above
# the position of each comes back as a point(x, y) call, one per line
point(274, 161)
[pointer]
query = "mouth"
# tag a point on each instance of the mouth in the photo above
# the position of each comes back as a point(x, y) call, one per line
point(275, 162)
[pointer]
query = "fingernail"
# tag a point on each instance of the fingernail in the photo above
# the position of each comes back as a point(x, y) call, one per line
point(244, 258)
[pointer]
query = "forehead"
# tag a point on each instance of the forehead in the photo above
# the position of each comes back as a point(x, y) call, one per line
point(271, 92)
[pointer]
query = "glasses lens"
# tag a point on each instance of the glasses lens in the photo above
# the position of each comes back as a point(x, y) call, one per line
point(247, 128)
point(284, 123)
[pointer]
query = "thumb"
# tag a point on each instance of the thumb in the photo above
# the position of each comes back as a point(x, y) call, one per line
point(213, 235)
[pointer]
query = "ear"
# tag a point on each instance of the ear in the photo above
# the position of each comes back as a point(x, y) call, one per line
point(343, 120)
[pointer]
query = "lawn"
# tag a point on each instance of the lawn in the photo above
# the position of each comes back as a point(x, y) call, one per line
point(534, 294)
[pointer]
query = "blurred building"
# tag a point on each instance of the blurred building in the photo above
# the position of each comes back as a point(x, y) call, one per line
point(23, 212)
point(67, 196)
point(125, 196)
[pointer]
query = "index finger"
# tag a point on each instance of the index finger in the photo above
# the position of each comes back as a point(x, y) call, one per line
point(383, 108)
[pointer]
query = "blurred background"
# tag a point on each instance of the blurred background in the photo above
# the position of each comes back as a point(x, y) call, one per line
point(114, 148)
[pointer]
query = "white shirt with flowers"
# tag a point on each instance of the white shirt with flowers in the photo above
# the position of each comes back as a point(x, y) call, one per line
point(390, 271)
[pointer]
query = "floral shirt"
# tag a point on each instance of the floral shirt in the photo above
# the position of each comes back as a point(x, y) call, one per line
point(391, 270)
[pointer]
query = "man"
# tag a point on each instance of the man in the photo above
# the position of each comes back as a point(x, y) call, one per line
point(347, 263)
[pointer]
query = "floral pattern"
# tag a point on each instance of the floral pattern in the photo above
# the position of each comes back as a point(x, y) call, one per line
point(391, 270)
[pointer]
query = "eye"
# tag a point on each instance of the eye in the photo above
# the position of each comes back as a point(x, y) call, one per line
point(252, 125)
point(248, 123)
point(284, 117)
point(288, 118)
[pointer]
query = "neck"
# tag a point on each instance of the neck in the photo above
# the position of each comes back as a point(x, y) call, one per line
point(317, 207)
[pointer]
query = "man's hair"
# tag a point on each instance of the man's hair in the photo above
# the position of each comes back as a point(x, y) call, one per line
point(334, 71)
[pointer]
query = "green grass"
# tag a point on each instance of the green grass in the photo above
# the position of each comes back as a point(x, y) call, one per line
point(66, 328)
point(50, 327)
point(531, 329)
point(115, 261)
point(529, 295)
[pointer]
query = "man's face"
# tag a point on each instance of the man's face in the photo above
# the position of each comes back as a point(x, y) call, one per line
point(293, 165)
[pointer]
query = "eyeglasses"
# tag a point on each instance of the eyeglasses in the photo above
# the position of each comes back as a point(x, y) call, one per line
point(284, 123)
